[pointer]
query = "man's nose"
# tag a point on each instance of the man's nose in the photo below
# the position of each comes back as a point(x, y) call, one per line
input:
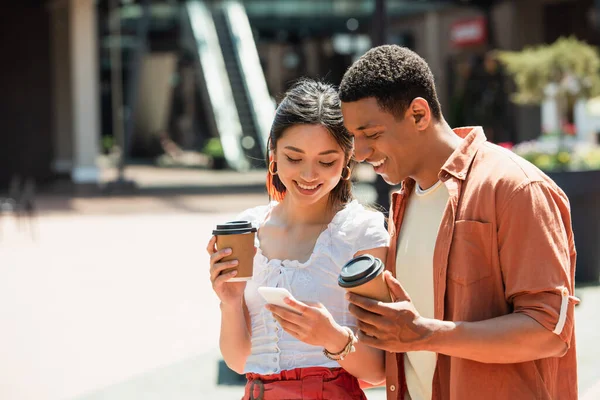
point(361, 149)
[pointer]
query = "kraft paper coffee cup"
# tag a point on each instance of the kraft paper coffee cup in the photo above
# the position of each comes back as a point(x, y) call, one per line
point(239, 236)
point(363, 275)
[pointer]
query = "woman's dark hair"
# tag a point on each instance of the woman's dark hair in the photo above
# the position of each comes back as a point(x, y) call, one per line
point(310, 102)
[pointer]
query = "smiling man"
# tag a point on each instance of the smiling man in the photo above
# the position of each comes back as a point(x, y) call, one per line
point(482, 258)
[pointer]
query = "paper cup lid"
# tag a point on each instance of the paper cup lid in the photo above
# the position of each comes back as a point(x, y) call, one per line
point(359, 270)
point(234, 228)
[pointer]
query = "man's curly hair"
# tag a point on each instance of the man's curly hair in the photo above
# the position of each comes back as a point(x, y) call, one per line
point(393, 75)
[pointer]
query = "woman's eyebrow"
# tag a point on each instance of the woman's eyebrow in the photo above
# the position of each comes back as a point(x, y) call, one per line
point(297, 150)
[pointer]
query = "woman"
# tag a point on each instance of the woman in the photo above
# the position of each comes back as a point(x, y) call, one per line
point(305, 235)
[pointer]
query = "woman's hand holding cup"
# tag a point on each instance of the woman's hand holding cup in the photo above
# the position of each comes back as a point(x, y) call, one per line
point(230, 293)
point(231, 251)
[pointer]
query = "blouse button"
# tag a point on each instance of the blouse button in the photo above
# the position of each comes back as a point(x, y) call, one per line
point(274, 359)
point(392, 388)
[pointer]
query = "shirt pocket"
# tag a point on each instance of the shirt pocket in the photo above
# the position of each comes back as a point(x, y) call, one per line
point(471, 252)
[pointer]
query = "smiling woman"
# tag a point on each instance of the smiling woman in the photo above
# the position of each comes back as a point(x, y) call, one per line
point(309, 127)
point(310, 163)
point(310, 229)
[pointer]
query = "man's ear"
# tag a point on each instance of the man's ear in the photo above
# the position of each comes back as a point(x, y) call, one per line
point(420, 113)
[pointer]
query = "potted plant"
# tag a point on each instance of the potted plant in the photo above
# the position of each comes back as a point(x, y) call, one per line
point(214, 150)
point(564, 71)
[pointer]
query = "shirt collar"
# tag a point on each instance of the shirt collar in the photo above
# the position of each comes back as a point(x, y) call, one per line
point(460, 160)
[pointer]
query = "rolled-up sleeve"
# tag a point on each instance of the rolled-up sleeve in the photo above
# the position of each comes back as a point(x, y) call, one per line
point(537, 256)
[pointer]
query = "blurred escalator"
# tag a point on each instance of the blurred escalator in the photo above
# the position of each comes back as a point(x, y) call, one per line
point(231, 79)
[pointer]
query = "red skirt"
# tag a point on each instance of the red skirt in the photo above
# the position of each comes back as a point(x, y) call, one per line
point(313, 383)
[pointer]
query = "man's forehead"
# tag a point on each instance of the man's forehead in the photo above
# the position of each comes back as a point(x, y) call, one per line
point(366, 108)
point(367, 125)
point(361, 121)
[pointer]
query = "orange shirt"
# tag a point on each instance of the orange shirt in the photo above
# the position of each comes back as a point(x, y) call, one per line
point(505, 245)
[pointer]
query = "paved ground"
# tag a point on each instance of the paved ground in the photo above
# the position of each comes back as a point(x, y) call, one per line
point(112, 301)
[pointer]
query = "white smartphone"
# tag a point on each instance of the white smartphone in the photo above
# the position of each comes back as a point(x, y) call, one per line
point(275, 296)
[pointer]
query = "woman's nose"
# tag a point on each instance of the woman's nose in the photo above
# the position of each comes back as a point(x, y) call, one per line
point(309, 174)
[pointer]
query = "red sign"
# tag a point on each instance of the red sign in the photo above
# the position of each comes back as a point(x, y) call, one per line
point(468, 32)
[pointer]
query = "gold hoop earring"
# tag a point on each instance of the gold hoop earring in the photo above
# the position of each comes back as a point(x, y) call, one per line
point(348, 175)
point(271, 171)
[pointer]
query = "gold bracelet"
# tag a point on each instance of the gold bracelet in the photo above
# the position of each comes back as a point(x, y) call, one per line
point(349, 348)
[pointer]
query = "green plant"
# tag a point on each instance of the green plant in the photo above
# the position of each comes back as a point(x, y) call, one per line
point(566, 70)
point(546, 154)
point(213, 148)
point(107, 143)
point(571, 65)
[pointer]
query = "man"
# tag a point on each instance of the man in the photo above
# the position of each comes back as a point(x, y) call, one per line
point(482, 248)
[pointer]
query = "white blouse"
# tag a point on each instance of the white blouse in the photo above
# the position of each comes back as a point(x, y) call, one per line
point(352, 229)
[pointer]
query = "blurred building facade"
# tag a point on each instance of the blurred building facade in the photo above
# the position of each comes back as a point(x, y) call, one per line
point(50, 98)
point(59, 68)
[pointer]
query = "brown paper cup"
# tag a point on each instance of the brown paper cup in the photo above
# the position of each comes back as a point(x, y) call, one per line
point(375, 289)
point(363, 275)
point(242, 249)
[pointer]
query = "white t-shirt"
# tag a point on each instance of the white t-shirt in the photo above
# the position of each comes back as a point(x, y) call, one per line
point(414, 270)
point(352, 229)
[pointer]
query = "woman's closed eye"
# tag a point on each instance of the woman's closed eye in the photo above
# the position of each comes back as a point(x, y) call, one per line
point(328, 164)
point(323, 163)
point(293, 160)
